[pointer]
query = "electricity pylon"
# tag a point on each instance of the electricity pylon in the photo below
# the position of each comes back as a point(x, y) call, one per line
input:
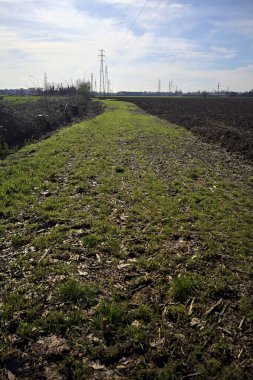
point(91, 83)
point(102, 72)
point(159, 86)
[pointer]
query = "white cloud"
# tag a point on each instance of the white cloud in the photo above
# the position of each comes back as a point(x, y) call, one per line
point(176, 5)
point(62, 40)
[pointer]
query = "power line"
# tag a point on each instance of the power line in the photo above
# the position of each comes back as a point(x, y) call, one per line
point(135, 20)
point(159, 10)
point(126, 12)
point(124, 18)
point(137, 17)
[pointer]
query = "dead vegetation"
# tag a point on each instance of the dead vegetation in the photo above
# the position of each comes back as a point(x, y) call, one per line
point(25, 121)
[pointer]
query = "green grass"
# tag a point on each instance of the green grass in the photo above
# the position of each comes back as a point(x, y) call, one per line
point(120, 236)
point(21, 99)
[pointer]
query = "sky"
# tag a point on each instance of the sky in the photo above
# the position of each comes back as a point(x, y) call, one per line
point(194, 45)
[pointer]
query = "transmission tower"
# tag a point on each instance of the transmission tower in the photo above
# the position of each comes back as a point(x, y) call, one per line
point(106, 79)
point(102, 72)
point(95, 86)
point(91, 82)
point(159, 86)
point(170, 85)
point(218, 87)
point(45, 82)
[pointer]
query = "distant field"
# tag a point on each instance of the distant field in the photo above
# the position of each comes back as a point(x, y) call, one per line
point(227, 121)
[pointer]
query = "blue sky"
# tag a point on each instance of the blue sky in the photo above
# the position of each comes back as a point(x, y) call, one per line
point(195, 43)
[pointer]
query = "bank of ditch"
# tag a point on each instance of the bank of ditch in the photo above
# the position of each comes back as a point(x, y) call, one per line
point(28, 118)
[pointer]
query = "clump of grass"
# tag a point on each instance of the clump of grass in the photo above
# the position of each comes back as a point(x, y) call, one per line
point(183, 287)
point(77, 293)
point(138, 334)
point(112, 313)
point(14, 303)
point(18, 241)
point(59, 322)
point(112, 320)
point(91, 240)
point(144, 312)
point(176, 313)
point(246, 306)
point(79, 370)
point(223, 286)
point(112, 246)
point(149, 265)
point(55, 237)
point(194, 174)
point(223, 351)
point(250, 180)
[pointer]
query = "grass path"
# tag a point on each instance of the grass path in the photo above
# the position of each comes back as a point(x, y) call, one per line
point(125, 253)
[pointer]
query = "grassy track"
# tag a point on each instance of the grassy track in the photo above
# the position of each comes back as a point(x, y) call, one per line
point(125, 253)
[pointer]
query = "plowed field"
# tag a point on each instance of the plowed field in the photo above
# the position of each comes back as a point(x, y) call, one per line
point(226, 121)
